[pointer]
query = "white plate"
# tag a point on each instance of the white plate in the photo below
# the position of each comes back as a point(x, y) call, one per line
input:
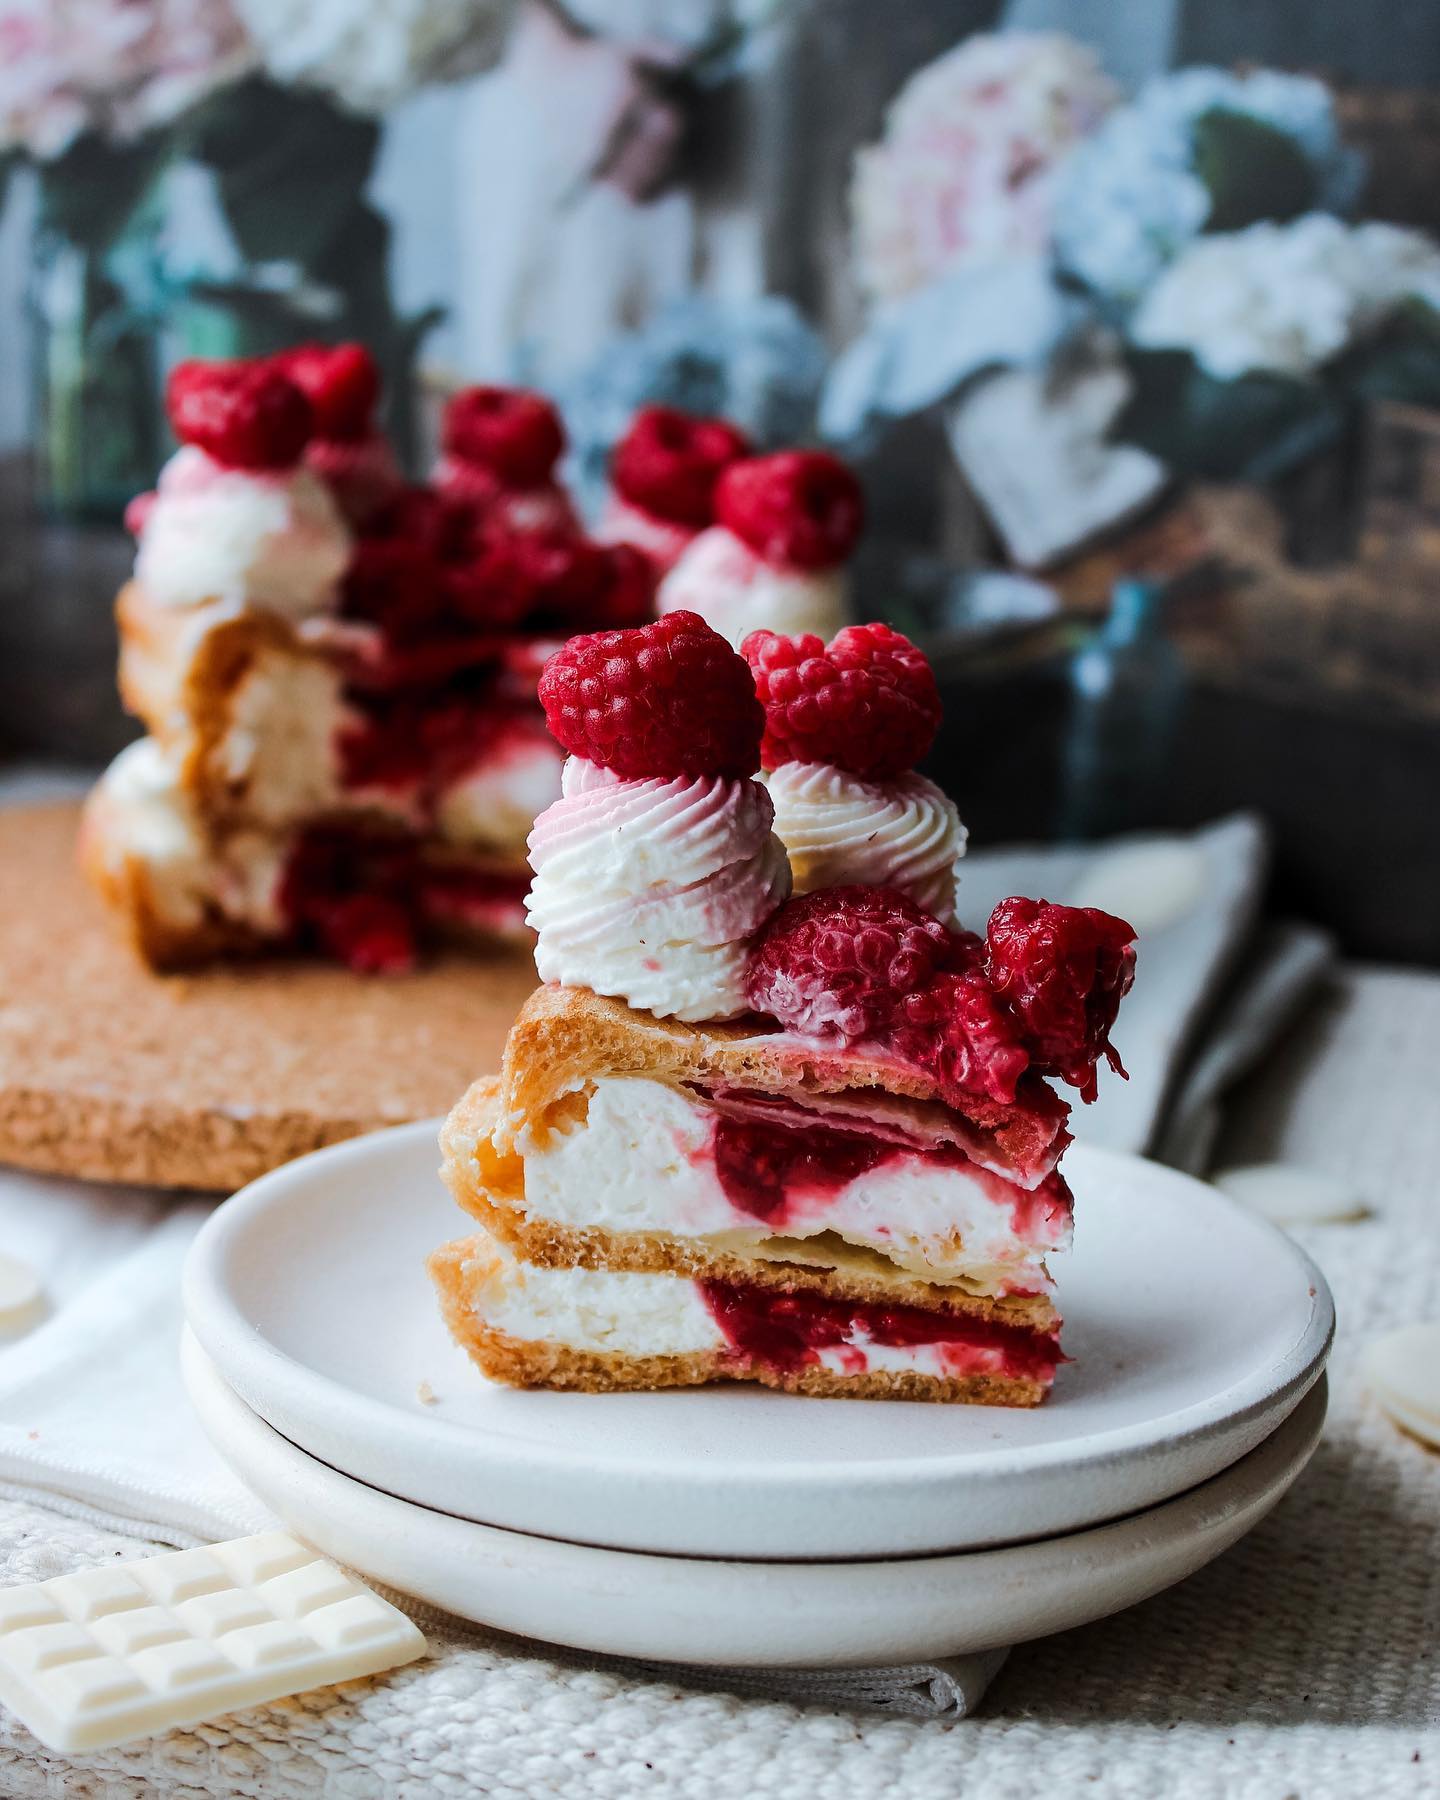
point(807, 1614)
point(1194, 1328)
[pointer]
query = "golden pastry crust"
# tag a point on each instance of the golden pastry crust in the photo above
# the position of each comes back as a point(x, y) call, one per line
point(180, 671)
point(566, 1036)
point(490, 1186)
point(126, 883)
point(529, 1363)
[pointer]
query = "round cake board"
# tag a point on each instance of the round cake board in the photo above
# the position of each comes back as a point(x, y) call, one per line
point(206, 1080)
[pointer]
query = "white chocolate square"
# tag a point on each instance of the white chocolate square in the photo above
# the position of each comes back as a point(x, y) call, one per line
point(105, 1655)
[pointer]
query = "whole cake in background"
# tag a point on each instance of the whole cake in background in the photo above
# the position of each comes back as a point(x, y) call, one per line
point(774, 1116)
point(336, 668)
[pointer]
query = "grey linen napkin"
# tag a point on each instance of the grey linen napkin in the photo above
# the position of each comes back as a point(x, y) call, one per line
point(951, 1687)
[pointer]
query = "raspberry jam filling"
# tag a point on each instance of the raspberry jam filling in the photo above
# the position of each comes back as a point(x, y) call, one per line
point(430, 739)
point(789, 1331)
point(1021, 1141)
point(771, 1170)
point(367, 899)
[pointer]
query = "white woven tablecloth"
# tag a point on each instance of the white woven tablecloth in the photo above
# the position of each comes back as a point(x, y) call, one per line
point(1304, 1663)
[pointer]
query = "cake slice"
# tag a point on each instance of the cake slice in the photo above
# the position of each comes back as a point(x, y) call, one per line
point(639, 1144)
point(809, 1141)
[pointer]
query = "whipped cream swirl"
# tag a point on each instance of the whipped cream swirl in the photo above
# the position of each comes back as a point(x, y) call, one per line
point(736, 592)
point(904, 833)
point(242, 537)
point(651, 890)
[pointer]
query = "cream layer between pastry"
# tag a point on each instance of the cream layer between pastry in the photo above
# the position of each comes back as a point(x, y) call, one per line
point(636, 1155)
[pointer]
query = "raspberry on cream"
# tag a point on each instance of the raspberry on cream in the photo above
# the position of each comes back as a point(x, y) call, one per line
point(651, 889)
point(499, 449)
point(663, 475)
point(839, 829)
point(786, 524)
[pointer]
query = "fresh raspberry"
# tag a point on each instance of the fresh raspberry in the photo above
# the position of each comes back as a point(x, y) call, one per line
point(341, 382)
point(477, 489)
point(868, 703)
point(512, 432)
point(247, 415)
point(1062, 972)
point(666, 699)
point(594, 587)
point(800, 508)
point(956, 1030)
point(668, 462)
point(500, 580)
point(839, 963)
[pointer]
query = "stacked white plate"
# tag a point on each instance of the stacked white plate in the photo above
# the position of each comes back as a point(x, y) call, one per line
point(729, 1525)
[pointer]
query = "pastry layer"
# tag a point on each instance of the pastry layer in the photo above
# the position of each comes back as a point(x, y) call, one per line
point(664, 1177)
point(566, 1038)
point(597, 1330)
point(186, 892)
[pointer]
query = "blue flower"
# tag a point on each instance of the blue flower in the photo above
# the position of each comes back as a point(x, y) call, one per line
point(1131, 198)
point(756, 362)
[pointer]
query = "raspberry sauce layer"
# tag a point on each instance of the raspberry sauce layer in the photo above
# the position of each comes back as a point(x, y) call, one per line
point(776, 1171)
point(759, 1173)
point(369, 898)
point(795, 1331)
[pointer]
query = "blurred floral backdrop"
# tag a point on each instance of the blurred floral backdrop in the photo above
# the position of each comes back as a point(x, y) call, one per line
point(1090, 292)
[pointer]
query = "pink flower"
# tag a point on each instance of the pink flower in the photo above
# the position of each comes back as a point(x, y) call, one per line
point(112, 66)
point(963, 172)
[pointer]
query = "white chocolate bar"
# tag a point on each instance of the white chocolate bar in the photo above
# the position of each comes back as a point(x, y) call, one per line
point(104, 1655)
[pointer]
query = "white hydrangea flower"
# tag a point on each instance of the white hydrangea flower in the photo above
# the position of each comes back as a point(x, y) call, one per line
point(370, 56)
point(1129, 199)
point(1284, 299)
point(963, 171)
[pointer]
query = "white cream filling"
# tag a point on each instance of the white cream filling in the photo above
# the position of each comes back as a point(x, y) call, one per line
point(621, 1314)
point(860, 1354)
point(593, 1309)
point(281, 749)
point(642, 1161)
point(652, 889)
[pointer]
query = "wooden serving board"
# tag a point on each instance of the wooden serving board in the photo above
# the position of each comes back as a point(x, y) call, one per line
point(206, 1080)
